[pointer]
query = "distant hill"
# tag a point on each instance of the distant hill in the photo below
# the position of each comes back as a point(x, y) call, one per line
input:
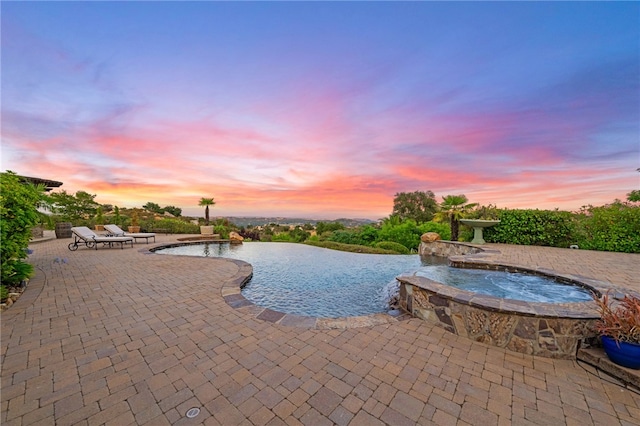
point(258, 221)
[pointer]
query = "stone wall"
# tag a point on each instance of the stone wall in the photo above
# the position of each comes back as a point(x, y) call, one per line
point(549, 331)
point(446, 249)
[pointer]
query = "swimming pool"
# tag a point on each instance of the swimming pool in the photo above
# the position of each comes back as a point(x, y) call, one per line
point(312, 281)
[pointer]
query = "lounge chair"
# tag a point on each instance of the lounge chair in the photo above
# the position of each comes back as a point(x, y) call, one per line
point(84, 235)
point(116, 231)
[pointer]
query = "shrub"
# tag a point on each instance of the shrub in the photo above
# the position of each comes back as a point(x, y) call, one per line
point(56, 218)
point(349, 247)
point(18, 214)
point(281, 237)
point(345, 236)
point(612, 227)
point(299, 235)
point(23, 270)
point(532, 227)
point(466, 233)
point(222, 230)
point(406, 233)
point(250, 234)
point(392, 246)
point(322, 227)
point(173, 226)
point(443, 229)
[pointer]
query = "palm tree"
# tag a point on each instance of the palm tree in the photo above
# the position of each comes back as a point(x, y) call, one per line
point(454, 207)
point(206, 202)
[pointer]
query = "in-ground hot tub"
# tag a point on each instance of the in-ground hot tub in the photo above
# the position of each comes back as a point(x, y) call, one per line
point(553, 330)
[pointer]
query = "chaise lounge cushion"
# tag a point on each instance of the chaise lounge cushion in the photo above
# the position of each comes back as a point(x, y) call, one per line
point(86, 236)
point(115, 230)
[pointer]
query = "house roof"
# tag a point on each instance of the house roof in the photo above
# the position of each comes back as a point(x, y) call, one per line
point(49, 184)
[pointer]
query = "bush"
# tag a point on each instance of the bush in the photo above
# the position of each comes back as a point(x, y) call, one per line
point(4, 293)
point(365, 235)
point(249, 234)
point(346, 236)
point(532, 227)
point(612, 227)
point(322, 227)
point(443, 229)
point(173, 226)
point(281, 237)
point(390, 245)
point(222, 230)
point(353, 248)
point(465, 234)
point(23, 270)
point(406, 233)
point(18, 214)
point(299, 235)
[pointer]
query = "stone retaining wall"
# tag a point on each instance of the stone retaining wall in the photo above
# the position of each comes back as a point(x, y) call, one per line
point(543, 329)
point(509, 324)
point(446, 249)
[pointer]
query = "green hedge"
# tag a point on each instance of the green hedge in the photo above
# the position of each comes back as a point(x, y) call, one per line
point(406, 233)
point(349, 247)
point(612, 227)
point(390, 245)
point(533, 227)
point(172, 226)
point(18, 214)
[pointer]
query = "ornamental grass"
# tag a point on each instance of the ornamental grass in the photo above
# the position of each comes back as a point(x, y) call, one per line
point(620, 321)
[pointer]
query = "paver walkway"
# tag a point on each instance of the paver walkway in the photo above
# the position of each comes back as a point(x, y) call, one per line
point(121, 337)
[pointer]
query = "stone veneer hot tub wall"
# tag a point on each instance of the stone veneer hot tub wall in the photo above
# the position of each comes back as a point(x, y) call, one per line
point(552, 330)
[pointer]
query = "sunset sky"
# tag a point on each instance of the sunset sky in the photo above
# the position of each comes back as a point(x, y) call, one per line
point(324, 109)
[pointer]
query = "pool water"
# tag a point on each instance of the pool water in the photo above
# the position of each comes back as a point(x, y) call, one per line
point(506, 285)
point(312, 281)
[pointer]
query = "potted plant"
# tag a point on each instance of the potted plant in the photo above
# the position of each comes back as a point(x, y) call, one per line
point(206, 202)
point(99, 225)
point(134, 228)
point(619, 328)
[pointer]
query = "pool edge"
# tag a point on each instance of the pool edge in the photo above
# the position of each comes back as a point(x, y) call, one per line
point(231, 292)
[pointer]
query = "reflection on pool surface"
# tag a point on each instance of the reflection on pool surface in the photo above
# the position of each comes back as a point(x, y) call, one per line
point(312, 281)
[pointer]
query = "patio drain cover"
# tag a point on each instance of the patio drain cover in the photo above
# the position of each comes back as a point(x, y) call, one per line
point(193, 412)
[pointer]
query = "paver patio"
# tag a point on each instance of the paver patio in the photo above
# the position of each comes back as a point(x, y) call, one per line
point(122, 337)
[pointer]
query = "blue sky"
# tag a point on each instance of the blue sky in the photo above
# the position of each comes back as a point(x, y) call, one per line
point(324, 109)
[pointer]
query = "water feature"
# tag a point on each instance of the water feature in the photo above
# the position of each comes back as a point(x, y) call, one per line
point(478, 225)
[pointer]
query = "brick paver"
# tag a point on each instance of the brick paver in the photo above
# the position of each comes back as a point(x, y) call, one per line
point(124, 337)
